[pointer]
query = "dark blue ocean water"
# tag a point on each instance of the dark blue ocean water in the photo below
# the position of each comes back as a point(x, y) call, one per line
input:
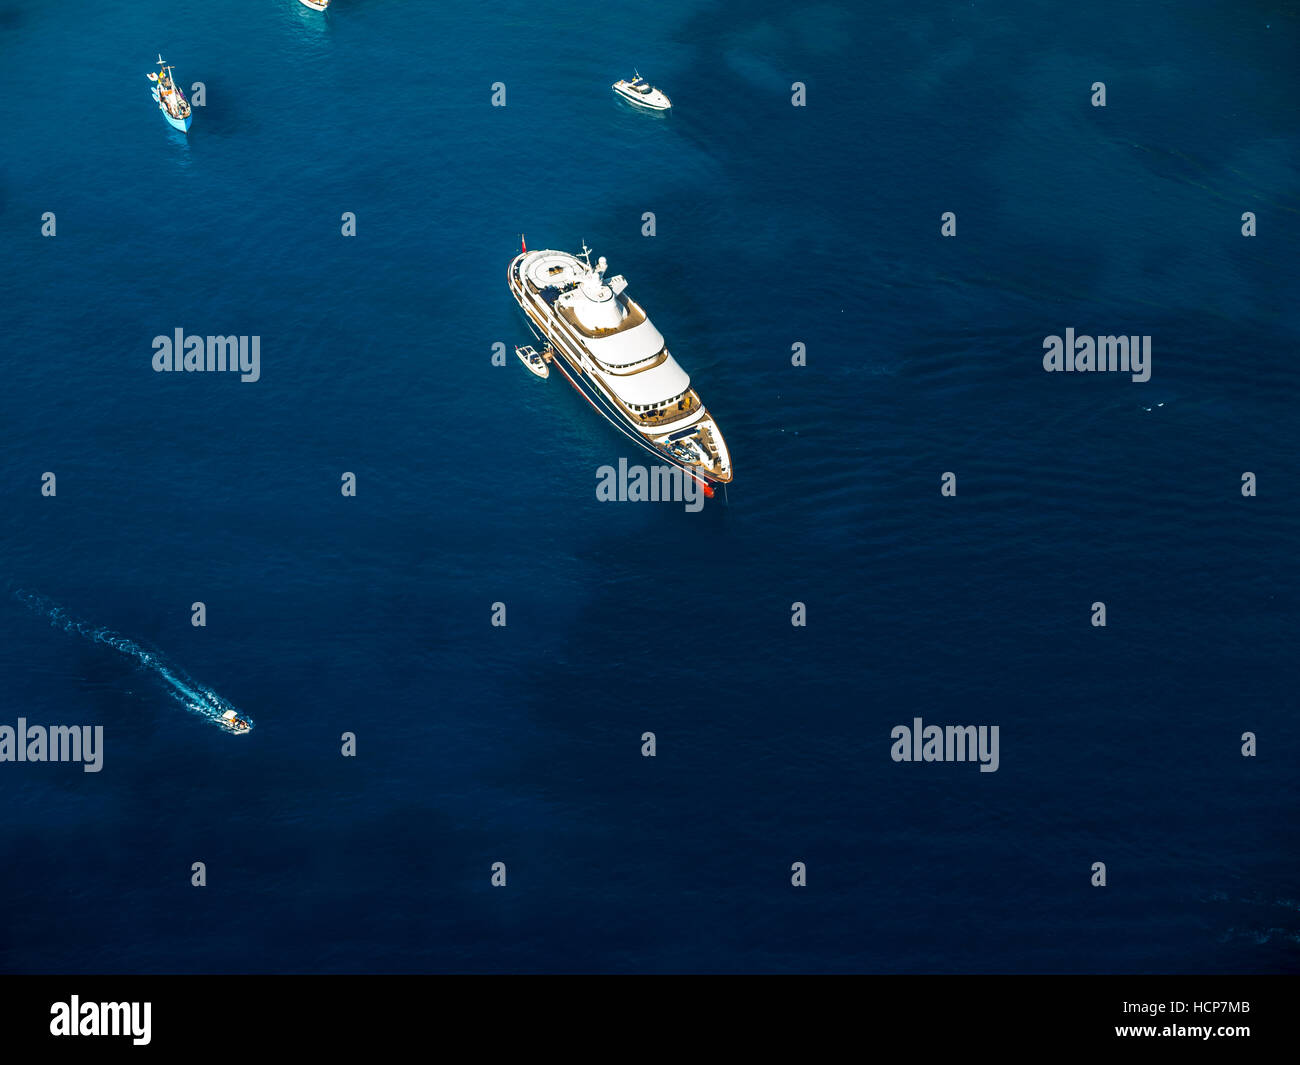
point(775, 225)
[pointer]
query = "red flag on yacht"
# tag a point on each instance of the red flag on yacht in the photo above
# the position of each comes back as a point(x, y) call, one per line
point(522, 244)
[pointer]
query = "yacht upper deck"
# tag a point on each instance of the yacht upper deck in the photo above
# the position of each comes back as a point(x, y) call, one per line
point(611, 325)
point(553, 269)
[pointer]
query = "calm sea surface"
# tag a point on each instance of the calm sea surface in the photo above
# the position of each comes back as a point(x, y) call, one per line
point(775, 225)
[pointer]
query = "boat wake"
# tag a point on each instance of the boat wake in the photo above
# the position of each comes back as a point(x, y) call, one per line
point(179, 685)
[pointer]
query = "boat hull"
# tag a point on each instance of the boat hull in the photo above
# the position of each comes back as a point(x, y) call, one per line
point(182, 124)
point(601, 403)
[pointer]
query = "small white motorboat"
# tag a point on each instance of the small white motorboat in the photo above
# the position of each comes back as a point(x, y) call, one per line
point(535, 362)
point(317, 5)
point(234, 722)
point(642, 93)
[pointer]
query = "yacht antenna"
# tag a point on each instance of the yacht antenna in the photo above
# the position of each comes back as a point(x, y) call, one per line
point(586, 254)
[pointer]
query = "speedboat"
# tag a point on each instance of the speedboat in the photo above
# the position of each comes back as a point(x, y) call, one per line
point(530, 358)
point(170, 100)
point(642, 93)
point(231, 720)
point(317, 5)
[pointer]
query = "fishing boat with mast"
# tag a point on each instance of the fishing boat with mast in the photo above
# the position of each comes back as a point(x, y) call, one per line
point(603, 342)
point(171, 101)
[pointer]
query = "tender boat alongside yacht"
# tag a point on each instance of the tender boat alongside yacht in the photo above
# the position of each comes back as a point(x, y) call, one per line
point(602, 341)
point(642, 93)
point(533, 361)
point(170, 100)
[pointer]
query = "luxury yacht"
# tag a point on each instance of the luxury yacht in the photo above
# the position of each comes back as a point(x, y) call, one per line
point(602, 341)
point(171, 101)
point(642, 93)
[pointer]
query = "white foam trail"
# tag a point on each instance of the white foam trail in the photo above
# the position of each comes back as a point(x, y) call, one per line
point(192, 695)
